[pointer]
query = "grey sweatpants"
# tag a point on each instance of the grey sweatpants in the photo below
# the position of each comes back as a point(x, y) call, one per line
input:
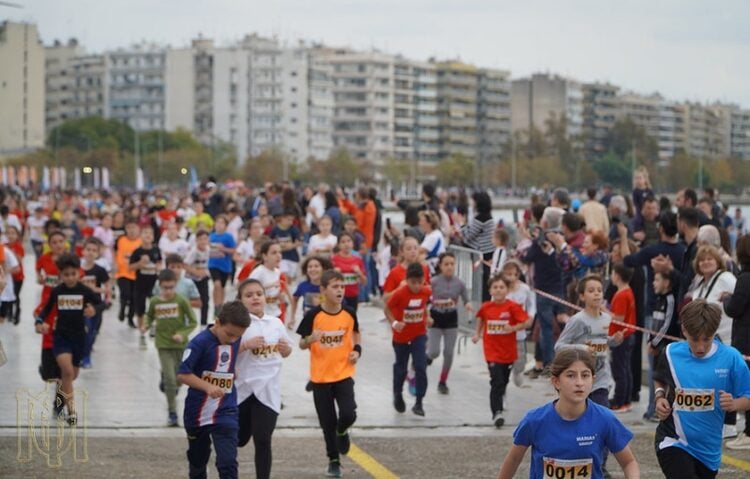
point(448, 336)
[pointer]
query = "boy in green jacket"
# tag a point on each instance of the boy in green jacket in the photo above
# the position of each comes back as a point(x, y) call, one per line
point(175, 320)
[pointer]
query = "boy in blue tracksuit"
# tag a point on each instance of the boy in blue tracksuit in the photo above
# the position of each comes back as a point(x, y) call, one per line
point(697, 381)
point(211, 404)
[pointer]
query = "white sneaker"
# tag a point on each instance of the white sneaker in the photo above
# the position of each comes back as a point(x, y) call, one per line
point(517, 378)
point(729, 431)
point(742, 442)
point(143, 342)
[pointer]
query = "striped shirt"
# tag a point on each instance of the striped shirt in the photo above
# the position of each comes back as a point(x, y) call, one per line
point(478, 235)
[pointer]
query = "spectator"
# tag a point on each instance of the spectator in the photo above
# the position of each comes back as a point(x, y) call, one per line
point(594, 213)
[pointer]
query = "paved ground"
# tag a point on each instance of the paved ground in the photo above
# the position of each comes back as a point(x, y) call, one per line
point(126, 413)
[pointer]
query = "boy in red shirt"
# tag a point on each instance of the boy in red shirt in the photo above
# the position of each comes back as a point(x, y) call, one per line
point(622, 309)
point(497, 323)
point(406, 310)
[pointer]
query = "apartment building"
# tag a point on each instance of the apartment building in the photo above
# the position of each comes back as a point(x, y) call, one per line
point(740, 132)
point(320, 106)
point(137, 86)
point(457, 108)
point(708, 130)
point(535, 99)
point(599, 116)
point(493, 113)
point(21, 89)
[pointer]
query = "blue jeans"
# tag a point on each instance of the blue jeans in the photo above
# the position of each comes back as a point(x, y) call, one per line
point(418, 351)
point(199, 450)
point(364, 289)
point(546, 310)
point(92, 329)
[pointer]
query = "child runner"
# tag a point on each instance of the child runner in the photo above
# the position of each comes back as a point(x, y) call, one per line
point(331, 333)
point(289, 239)
point(497, 323)
point(519, 292)
point(269, 275)
point(446, 291)
point(623, 310)
point(352, 267)
point(15, 245)
point(220, 261)
point(211, 404)
point(196, 265)
point(697, 381)
point(124, 247)
point(145, 260)
point(97, 279)
point(397, 276)
point(500, 255)
point(259, 375)
point(74, 302)
point(569, 436)
point(309, 289)
point(406, 311)
point(323, 243)
point(185, 287)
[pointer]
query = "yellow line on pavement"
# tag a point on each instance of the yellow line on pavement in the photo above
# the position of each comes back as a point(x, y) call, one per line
point(733, 461)
point(369, 464)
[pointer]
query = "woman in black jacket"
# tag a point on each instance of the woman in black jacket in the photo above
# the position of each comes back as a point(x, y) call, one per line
point(737, 306)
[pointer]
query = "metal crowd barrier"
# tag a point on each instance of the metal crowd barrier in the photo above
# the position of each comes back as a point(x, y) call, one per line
point(469, 270)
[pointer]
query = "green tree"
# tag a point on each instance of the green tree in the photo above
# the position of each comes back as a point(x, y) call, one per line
point(626, 138)
point(85, 134)
point(267, 166)
point(457, 169)
point(612, 169)
point(398, 171)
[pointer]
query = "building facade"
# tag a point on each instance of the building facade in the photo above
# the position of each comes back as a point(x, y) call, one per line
point(599, 116)
point(535, 99)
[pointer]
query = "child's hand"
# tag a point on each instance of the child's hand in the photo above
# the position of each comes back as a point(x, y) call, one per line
point(254, 342)
point(353, 357)
point(315, 336)
point(215, 392)
point(618, 336)
point(42, 328)
point(177, 338)
point(430, 321)
point(475, 339)
point(89, 310)
point(398, 326)
point(284, 347)
point(726, 401)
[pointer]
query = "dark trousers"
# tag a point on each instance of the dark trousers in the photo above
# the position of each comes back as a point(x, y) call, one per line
point(92, 329)
point(499, 376)
point(258, 421)
point(486, 276)
point(202, 286)
point(17, 284)
point(675, 463)
point(224, 439)
point(126, 287)
point(417, 348)
point(325, 395)
point(601, 397)
point(352, 302)
point(621, 372)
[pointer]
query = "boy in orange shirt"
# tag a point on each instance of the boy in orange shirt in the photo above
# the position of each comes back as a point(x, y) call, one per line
point(622, 309)
point(406, 310)
point(497, 323)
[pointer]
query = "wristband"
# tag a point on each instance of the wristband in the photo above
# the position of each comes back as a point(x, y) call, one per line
point(358, 348)
point(660, 390)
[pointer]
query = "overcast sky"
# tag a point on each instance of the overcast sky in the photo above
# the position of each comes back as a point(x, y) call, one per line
point(685, 49)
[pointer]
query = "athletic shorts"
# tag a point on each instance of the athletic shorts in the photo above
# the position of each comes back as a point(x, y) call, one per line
point(75, 345)
point(48, 368)
point(219, 275)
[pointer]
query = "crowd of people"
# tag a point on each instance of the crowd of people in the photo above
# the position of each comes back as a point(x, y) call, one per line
point(588, 284)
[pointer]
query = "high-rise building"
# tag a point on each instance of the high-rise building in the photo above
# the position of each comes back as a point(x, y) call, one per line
point(535, 99)
point(21, 88)
point(320, 106)
point(457, 108)
point(599, 116)
point(137, 86)
point(59, 81)
point(426, 120)
point(740, 132)
point(708, 130)
point(493, 113)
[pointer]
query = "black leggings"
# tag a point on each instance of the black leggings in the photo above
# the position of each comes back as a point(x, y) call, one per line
point(675, 463)
point(257, 421)
point(17, 284)
point(127, 287)
point(324, 395)
point(202, 286)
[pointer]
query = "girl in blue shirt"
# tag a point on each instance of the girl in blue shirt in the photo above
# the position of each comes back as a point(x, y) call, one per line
point(568, 436)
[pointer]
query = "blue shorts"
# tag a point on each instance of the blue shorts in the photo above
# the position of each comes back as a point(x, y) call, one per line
point(75, 345)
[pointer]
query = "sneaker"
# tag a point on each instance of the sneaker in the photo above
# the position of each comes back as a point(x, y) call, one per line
point(143, 341)
point(729, 431)
point(72, 420)
point(399, 404)
point(517, 379)
point(86, 363)
point(443, 388)
point(546, 372)
point(498, 419)
point(334, 469)
point(121, 316)
point(343, 442)
point(535, 373)
point(59, 405)
point(172, 420)
point(651, 418)
point(413, 386)
point(622, 409)
point(741, 442)
point(418, 410)
point(132, 324)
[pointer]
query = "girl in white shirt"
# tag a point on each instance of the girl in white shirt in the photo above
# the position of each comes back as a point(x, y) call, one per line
point(433, 244)
point(269, 275)
point(322, 244)
point(258, 375)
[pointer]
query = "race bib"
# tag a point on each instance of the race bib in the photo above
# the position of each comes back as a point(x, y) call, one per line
point(350, 279)
point(444, 303)
point(267, 351)
point(166, 310)
point(215, 252)
point(70, 302)
point(224, 380)
point(149, 269)
point(495, 326)
point(567, 468)
point(332, 339)
point(694, 400)
point(412, 316)
point(598, 346)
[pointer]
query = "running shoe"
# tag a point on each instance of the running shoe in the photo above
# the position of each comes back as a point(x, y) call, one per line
point(535, 373)
point(517, 379)
point(729, 431)
point(742, 442)
point(651, 418)
point(343, 443)
point(172, 420)
point(622, 409)
point(59, 406)
point(498, 419)
point(86, 363)
point(418, 410)
point(398, 403)
point(72, 420)
point(334, 469)
point(443, 388)
point(143, 341)
point(413, 386)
